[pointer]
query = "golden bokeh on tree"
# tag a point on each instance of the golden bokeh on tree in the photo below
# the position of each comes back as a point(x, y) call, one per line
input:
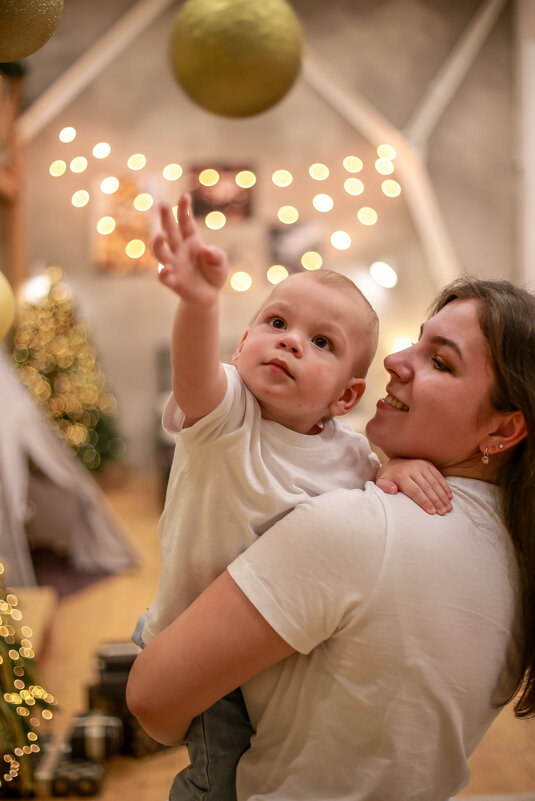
point(7, 306)
point(236, 58)
point(26, 25)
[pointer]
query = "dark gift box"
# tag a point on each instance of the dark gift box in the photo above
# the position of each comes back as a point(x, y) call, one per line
point(96, 737)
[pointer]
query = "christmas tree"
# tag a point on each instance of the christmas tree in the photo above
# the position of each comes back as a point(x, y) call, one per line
point(24, 704)
point(53, 353)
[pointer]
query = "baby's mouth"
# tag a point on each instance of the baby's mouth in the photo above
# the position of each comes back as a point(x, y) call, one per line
point(396, 403)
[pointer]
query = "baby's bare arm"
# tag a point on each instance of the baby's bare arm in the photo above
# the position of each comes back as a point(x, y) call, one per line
point(196, 273)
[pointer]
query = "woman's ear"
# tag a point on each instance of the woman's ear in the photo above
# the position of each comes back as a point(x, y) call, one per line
point(237, 352)
point(509, 431)
point(349, 398)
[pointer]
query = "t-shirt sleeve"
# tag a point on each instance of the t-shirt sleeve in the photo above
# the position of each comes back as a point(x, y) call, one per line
point(229, 413)
point(316, 570)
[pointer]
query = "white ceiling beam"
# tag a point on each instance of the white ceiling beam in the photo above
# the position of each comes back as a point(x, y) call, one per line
point(439, 253)
point(443, 87)
point(75, 79)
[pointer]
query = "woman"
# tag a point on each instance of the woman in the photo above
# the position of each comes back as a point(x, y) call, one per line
point(374, 644)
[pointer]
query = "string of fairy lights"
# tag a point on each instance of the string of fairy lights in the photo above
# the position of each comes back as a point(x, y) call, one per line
point(28, 701)
point(322, 202)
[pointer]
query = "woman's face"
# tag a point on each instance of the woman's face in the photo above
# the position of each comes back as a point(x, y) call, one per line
point(438, 405)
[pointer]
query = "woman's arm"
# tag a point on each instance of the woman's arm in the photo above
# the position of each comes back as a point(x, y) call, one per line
point(216, 645)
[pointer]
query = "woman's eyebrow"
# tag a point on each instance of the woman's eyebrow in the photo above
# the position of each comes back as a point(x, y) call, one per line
point(440, 340)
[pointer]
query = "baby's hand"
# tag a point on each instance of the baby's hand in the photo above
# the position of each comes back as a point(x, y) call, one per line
point(419, 480)
point(190, 268)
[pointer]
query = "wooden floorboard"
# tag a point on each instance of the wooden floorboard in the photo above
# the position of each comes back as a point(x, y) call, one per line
point(107, 610)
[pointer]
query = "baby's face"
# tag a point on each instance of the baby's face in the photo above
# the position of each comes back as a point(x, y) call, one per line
point(298, 357)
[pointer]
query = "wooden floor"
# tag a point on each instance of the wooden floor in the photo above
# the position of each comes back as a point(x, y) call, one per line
point(107, 610)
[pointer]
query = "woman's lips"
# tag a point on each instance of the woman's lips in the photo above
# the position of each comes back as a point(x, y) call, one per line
point(395, 403)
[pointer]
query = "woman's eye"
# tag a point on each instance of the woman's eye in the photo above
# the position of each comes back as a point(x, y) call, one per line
point(322, 342)
point(440, 365)
point(277, 322)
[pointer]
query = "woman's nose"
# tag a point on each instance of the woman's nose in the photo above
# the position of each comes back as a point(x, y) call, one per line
point(291, 341)
point(399, 364)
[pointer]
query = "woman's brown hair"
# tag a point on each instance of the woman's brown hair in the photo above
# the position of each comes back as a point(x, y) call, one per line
point(506, 316)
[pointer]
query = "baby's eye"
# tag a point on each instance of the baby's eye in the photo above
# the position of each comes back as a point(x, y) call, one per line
point(322, 342)
point(277, 322)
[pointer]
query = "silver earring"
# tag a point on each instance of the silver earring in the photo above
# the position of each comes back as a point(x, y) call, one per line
point(485, 457)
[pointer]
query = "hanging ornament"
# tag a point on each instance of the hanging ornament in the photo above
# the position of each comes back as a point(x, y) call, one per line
point(236, 57)
point(7, 306)
point(25, 26)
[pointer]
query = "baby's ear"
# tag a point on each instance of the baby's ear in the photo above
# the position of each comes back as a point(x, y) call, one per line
point(237, 352)
point(349, 397)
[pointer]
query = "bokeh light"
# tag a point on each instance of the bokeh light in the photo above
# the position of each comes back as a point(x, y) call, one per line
point(288, 214)
point(386, 152)
point(383, 274)
point(143, 201)
point(80, 198)
point(67, 134)
point(137, 161)
point(282, 178)
point(135, 248)
point(384, 166)
point(101, 150)
point(208, 177)
point(241, 281)
point(57, 168)
point(367, 216)
point(172, 172)
point(215, 220)
point(323, 203)
point(340, 240)
point(245, 179)
point(391, 188)
point(311, 260)
point(110, 185)
point(353, 186)
point(277, 273)
point(106, 225)
point(78, 164)
point(318, 171)
point(353, 164)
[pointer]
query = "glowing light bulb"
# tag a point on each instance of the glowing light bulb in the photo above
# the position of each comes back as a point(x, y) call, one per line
point(67, 134)
point(143, 202)
point(276, 273)
point(215, 220)
point(383, 274)
point(137, 161)
point(353, 186)
point(80, 198)
point(282, 178)
point(245, 179)
point(386, 152)
point(78, 164)
point(318, 171)
point(208, 177)
point(57, 168)
point(353, 164)
point(340, 240)
point(110, 185)
point(323, 203)
point(241, 281)
point(135, 249)
point(391, 188)
point(106, 225)
point(311, 260)
point(384, 166)
point(101, 150)
point(367, 216)
point(288, 214)
point(172, 172)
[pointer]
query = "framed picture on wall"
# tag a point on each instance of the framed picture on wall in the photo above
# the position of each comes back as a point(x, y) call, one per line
point(214, 188)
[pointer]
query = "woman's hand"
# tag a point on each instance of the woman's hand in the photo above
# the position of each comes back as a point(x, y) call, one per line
point(419, 480)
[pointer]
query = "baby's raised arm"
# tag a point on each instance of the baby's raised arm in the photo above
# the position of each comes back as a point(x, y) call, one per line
point(419, 480)
point(196, 273)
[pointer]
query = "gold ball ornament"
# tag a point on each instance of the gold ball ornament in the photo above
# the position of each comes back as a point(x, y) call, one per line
point(236, 58)
point(25, 26)
point(7, 306)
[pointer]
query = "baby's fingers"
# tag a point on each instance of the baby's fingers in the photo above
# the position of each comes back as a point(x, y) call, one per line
point(436, 490)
